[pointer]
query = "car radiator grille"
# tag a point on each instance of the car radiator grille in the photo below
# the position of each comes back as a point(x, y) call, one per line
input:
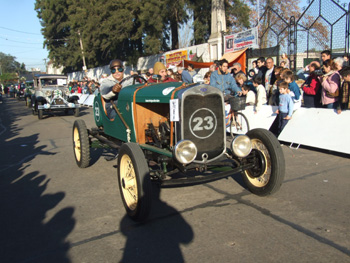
point(203, 123)
point(58, 102)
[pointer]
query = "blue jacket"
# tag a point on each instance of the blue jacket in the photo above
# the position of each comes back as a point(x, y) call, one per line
point(226, 83)
point(286, 104)
point(186, 77)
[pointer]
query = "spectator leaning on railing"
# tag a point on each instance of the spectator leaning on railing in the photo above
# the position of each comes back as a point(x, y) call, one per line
point(330, 83)
point(344, 95)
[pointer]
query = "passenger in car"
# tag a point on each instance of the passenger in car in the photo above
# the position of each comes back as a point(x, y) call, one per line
point(160, 74)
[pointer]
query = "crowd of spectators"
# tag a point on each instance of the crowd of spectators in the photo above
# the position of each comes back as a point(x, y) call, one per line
point(85, 86)
point(325, 83)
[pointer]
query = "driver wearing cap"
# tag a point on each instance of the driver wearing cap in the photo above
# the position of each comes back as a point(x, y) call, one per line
point(110, 87)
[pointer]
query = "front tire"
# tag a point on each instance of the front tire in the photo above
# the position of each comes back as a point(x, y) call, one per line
point(81, 145)
point(40, 114)
point(134, 181)
point(268, 173)
point(76, 112)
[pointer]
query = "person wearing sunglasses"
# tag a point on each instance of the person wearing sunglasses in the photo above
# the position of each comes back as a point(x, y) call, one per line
point(110, 86)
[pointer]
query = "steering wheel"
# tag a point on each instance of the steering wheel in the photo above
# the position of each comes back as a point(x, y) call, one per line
point(137, 78)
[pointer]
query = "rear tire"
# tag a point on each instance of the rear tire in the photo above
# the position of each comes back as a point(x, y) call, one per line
point(134, 181)
point(268, 173)
point(81, 145)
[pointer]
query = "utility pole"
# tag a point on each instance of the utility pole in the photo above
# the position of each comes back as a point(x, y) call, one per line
point(82, 50)
point(45, 65)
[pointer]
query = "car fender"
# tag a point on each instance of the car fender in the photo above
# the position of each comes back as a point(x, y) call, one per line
point(73, 98)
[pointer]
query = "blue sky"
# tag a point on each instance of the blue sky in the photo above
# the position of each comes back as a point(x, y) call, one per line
point(20, 34)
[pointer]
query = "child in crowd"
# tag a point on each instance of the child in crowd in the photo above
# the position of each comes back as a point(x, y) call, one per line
point(344, 95)
point(294, 89)
point(285, 107)
point(249, 94)
point(260, 93)
point(207, 77)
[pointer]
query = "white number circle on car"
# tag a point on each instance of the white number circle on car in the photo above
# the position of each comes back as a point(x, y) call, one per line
point(97, 112)
point(203, 123)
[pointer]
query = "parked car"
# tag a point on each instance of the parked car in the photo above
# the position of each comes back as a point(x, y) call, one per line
point(174, 134)
point(51, 94)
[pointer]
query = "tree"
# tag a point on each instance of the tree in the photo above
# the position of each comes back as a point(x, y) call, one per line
point(237, 17)
point(175, 16)
point(10, 65)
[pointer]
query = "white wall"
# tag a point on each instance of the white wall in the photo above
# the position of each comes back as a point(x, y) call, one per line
point(143, 63)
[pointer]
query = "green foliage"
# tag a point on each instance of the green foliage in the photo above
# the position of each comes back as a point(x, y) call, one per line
point(125, 29)
point(9, 64)
point(8, 78)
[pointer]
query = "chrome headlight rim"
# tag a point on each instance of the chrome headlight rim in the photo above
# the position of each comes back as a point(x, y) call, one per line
point(185, 151)
point(241, 146)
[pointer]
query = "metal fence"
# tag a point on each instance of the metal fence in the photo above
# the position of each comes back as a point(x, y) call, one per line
point(324, 24)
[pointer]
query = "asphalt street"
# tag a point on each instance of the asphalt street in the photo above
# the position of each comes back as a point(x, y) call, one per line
point(53, 211)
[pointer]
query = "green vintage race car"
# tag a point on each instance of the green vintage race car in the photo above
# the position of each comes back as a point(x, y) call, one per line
point(174, 135)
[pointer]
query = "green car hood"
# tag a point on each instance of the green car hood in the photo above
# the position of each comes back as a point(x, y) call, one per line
point(153, 93)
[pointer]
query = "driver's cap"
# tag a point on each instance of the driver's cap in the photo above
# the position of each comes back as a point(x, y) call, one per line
point(115, 63)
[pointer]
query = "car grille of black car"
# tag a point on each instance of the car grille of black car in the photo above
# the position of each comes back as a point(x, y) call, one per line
point(58, 102)
point(203, 124)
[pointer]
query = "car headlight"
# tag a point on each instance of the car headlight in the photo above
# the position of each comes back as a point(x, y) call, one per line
point(185, 151)
point(241, 145)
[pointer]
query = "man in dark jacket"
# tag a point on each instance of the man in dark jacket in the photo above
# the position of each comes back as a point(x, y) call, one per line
point(262, 68)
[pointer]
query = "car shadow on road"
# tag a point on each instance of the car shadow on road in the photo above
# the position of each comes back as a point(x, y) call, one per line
point(159, 238)
point(29, 232)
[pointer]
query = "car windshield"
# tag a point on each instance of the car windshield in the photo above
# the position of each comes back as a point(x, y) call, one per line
point(53, 82)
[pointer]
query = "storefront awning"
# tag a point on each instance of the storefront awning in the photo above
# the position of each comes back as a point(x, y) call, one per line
point(236, 56)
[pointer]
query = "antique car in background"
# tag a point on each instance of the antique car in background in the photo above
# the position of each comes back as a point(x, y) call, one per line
point(174, 134)
point(21, 91)
point(51, 93)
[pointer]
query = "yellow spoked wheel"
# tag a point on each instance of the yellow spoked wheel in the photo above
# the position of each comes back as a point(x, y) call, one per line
point(128, 182)
point(81, 145)
point(134, 181)
point(268, 172)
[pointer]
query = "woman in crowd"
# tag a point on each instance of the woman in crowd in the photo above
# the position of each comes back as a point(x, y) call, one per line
point(170, 73)
point(284, 58)
point(207, 77)
point(240, 79)
point(330, 83)
point(311, 88)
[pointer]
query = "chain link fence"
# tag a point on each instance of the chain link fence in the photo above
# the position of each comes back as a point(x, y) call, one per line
point(323, 25)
